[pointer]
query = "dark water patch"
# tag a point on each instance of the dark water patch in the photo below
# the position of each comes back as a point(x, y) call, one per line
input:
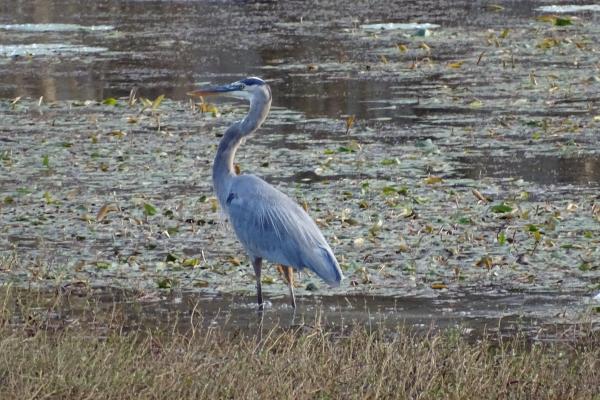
point(539, 168)
point(506, 314)
point(165, 47)
point(427, 111)
point(24, 242)
point(539, 315)
point(308, 177)
point(339, 97)
point(560, 113)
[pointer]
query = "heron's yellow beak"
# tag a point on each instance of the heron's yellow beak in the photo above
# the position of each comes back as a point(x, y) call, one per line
point(232, 87)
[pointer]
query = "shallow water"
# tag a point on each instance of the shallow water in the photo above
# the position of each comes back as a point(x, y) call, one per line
point(540, 317)
point(542, 169)
point(493, 100)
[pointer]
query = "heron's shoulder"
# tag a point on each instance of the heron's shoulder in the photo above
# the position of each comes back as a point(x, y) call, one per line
point(251, 195)
point(248, 185)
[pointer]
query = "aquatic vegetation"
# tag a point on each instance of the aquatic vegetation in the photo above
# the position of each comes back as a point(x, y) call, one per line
point(146, 195)
point(464, 160)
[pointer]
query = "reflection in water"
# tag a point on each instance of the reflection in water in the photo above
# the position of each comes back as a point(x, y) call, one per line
point(54, 27)
point(165, 47)
point(542, 169)
point(362, 98)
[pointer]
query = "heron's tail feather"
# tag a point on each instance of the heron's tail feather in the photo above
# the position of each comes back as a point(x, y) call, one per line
point(323, 263)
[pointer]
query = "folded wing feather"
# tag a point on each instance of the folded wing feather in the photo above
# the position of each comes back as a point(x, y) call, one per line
point(272, 226)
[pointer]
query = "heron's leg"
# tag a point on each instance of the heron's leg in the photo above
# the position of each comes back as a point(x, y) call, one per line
point(288, 272)
point(257, 264)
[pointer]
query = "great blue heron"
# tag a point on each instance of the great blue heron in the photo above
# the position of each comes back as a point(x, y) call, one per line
point(269, 224)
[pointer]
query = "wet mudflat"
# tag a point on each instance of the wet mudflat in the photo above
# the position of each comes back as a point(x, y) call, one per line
point(455, 159)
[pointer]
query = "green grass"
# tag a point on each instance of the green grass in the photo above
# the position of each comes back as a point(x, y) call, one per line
point(102, 359)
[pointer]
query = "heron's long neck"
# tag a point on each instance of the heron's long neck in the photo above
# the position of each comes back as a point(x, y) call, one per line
point(223, 169)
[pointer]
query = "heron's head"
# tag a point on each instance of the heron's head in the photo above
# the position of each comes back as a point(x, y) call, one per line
point(249, 89)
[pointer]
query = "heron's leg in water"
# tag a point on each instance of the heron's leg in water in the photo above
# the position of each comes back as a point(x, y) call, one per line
point(288, 272)
point(257, 264)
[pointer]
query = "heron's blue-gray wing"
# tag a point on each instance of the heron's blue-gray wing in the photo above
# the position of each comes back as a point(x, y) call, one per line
point(272, 226)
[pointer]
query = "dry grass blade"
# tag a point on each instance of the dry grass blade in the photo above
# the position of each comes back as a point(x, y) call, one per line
point(157, 101)
point(104, 210)
point(349, 123)
point(479, 196)
point(132, 97)
point(480, 57)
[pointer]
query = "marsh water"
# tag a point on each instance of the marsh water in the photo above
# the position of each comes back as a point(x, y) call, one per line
point(449, 153)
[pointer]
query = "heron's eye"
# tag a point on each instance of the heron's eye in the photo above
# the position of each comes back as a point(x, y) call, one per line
point(242, 86)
